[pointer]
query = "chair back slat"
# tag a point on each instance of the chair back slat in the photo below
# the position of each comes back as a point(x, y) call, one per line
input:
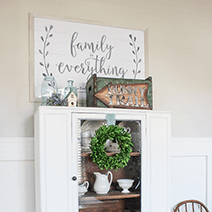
point(200, 208)
point(193, 207)
point(186, 209)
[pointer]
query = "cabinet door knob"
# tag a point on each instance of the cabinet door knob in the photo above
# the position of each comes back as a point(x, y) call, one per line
point(74, 178)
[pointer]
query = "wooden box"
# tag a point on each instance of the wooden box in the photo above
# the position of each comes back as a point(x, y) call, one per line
point(119, 93)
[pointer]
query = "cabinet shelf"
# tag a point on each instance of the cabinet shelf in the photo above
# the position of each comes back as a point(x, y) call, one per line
point(110, 153)
point(112, 195)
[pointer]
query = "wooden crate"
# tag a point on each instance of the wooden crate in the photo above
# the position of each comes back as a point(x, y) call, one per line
point(119, 93)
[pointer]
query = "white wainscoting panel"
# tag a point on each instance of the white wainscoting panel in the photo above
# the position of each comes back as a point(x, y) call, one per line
point(17, 175)
point(191, 170)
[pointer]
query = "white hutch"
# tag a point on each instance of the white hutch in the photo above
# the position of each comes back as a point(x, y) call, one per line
point(62, 160)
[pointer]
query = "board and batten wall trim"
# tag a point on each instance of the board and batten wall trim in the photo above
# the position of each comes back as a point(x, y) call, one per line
point(183, 151)
point(17, 174)
point(191, 170)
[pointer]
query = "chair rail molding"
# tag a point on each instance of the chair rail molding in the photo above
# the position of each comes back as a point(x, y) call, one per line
point(191, 146)
point(16, 148)
point(22, 148)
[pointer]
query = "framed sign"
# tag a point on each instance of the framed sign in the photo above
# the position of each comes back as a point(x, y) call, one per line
point(76, 51)
point(119, 93)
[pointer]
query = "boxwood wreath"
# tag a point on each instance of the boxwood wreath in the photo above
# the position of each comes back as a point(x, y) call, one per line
point(97, 146)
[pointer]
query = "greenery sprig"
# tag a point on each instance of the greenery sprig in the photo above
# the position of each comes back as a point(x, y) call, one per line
point(56, 100)
point(135, 52)
point(97, 146)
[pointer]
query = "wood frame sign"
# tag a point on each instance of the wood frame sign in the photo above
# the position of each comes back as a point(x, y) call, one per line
point(77, 50)
point(119, 93)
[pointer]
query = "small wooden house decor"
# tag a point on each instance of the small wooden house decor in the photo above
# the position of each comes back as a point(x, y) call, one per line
point(119, 93)
point(72, 100)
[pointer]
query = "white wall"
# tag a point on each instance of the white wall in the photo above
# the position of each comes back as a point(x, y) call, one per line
point(179, 56)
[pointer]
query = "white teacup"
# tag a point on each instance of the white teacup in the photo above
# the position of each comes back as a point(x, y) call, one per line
point(125, 184)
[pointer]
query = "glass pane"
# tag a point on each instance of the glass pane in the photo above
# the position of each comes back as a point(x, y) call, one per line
point(115, 199)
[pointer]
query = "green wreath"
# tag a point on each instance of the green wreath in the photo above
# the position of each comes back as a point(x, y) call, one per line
point(97, 146)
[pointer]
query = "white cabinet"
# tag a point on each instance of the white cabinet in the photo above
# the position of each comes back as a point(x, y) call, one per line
point(62, 160)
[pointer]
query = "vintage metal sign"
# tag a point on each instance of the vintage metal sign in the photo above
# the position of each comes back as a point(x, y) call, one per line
point(121, 93)
point(125, 95)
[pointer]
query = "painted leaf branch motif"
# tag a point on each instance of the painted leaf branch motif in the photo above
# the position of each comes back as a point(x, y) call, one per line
point(44, 52)
point(135, 52)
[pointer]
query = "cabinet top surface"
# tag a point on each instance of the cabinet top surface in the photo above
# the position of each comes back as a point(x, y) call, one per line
point(98, 110)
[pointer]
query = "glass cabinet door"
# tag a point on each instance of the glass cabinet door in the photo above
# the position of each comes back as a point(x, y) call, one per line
point(118, 197)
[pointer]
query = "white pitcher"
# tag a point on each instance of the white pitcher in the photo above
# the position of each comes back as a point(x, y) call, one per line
point(83, 188)
point(102, 184)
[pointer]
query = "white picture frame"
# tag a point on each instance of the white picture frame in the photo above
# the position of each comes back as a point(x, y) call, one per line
point(76, 50)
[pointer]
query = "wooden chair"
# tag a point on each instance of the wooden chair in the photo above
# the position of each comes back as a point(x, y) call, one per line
point(191, 206)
